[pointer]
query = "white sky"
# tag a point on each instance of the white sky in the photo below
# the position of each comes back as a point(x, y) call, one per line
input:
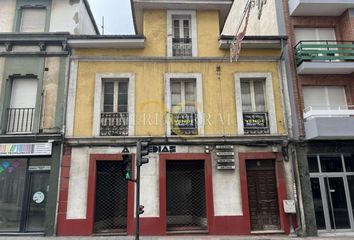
point(117, 16)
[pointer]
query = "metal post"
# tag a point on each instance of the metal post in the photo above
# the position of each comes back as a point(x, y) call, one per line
point(137, 203)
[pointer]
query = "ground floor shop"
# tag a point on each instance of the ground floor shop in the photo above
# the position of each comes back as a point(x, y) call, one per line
point(28, 186)
point(218, 190)
point(330, 177)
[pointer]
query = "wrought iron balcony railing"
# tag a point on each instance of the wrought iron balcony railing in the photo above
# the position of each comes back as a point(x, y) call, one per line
point(184, 124)
point(182, 47)
point(114, 124)
point(326, 51)
point(328, 111)
point(255, 123)
point(20, 120)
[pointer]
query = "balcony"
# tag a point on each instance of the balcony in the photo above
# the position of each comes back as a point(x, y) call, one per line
point(114, 124)
point(184, 124)
point(181, 47)
point(319, 7)
point(329, 122)
point(325, 57)
point(255, 123)
point(20, 120)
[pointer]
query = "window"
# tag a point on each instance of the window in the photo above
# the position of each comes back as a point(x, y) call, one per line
point(183, 95)
point(181, 41)
point(181, 34)
point(184, 116)
point(184, 101)
point(115, 96)
point(253, 95)
point(255, 116)
point(114, 115)
point(255, 106)
point(33, 19)
point(320, 96)
point(313, 34)
point(114, 104)
point(21, 112)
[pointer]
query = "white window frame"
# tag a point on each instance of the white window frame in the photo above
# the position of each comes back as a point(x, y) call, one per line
point(269, 99)
point(199, 98)
point(193, 25)
point(99, 96)
point(115, 93)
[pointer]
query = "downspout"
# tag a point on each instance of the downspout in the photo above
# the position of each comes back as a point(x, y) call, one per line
point(63, 130)
point(290, 145)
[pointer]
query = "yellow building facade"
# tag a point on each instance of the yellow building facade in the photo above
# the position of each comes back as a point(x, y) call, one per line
point(217, 129)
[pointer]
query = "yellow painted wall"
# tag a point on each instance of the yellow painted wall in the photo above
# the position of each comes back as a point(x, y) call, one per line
point(155, 31)
point(218, 94)
point(208, 33)
point(218, 90)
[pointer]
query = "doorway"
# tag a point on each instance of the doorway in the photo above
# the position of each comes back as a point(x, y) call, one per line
point(262, 195)
point(111, 198)
point(24, 190)
point(332, 191)
point(186, 196)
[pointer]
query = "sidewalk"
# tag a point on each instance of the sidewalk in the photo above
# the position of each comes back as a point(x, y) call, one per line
point(341, 236)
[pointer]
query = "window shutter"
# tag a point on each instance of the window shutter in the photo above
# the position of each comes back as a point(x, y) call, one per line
point(33, 20)
point(336, 96)
point(314, 96)
point(24, 93)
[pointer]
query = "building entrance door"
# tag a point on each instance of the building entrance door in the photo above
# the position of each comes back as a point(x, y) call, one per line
point(24, 187)
point(38, 187)
point(262, 195)
point(331, 191)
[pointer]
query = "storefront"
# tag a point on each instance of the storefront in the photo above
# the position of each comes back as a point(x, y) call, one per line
point(331, 172)
point(184, 189)
point(25, 170)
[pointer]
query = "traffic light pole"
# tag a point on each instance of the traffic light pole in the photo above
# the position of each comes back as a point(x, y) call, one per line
point(137, 204)
point(141, 151)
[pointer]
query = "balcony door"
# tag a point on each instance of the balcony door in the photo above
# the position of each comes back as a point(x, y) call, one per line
point(114, 108)
point(319, 36)
point(315, 34)
point(22, 105)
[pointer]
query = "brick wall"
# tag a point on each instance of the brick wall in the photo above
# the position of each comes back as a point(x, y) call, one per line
point(344, 28)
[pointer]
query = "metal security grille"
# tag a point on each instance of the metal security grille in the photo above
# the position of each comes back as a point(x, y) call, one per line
point(111, 198)
point(186, 204)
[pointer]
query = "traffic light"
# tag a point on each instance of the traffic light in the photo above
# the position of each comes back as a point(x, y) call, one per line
point(142, 149)
point(127, 167)
point(141, 209)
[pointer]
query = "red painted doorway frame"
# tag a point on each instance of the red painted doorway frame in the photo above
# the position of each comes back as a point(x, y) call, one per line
point(208, 184)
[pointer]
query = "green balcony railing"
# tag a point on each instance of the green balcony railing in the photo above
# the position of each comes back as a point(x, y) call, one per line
point(326, 51)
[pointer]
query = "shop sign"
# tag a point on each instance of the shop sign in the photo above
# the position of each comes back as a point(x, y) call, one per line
point(25, 149)
point(224, 147)
point(227, 160)
point(162, 149)
point(226, 167)
point(225, 154)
